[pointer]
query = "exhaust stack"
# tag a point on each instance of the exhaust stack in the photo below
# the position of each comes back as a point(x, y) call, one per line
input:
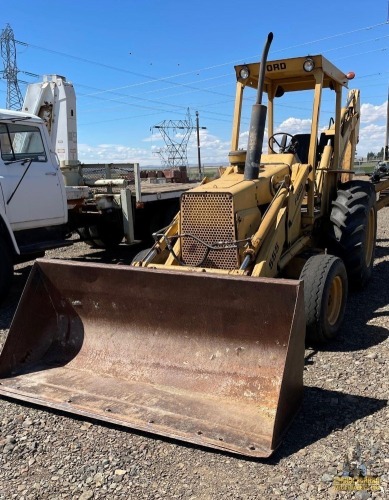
point(257, 123)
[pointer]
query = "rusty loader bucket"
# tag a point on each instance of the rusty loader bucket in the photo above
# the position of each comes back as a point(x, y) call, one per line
point(208, 359)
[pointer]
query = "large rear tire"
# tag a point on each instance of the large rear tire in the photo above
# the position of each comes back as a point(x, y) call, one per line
point(354, 230)
point(6, 270)
point(325, 297)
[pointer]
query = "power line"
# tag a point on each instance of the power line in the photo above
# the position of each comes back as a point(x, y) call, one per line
point(160, 79)
point(382, 49)
point(234, 62)
point(356, 43)
point(175, 84)
point(366, 28)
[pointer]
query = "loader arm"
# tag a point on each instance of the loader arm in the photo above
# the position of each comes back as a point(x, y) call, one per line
point(328, 172)
point(349, 133)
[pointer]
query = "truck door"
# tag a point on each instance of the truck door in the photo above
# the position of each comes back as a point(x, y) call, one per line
point(31, 183)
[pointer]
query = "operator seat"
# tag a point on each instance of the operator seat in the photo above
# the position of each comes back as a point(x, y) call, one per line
point(302, 146)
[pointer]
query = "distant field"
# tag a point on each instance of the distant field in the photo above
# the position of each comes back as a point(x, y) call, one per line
point(365, 168)
point(212, 172)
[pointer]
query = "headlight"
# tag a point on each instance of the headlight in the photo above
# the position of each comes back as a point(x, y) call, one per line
point(244, 73)
point(309, 64)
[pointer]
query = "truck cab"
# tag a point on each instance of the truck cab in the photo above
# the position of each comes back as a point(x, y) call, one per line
point(31, 184)
point(33, 205)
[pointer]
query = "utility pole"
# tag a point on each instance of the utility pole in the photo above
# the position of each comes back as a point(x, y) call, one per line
point(386, 148)
point(198, 142)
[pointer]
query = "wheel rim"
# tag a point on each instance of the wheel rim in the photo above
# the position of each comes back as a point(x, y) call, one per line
point(370, 237)
point(335, 300)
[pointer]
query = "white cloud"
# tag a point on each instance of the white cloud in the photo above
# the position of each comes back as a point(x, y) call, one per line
point(371, 113)
point(290, 125)
point(115, 153)
point(215, 149)
point(371, 139)
point(295, 126)
point(371, 136)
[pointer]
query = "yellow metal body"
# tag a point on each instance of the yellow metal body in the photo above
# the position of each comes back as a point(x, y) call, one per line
point(273, 218)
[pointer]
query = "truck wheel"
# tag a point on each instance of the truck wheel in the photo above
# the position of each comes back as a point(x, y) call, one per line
point(140, 255)
point(101, 235)
point(6, 270)
point(354, 230)
point(325, 297)
point(106, 233)
point(85, 236)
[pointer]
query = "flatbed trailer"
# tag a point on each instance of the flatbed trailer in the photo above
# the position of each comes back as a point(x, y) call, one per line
point(147, 205)
point(382, 190)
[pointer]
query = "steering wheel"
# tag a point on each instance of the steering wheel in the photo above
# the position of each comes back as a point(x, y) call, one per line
point(284, 146)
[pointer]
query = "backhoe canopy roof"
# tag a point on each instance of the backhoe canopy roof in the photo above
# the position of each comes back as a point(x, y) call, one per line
point(291, 75)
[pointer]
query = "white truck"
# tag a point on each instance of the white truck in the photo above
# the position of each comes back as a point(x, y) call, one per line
point(44, 196)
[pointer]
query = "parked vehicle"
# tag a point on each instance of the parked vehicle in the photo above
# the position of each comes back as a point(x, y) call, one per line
point(46, 195)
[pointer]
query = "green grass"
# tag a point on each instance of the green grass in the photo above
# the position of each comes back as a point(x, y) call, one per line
point(210, 172)
point(213, 172)
point(365, 168)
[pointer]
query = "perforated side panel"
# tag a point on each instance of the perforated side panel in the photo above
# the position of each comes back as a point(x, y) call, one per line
point(209, 217)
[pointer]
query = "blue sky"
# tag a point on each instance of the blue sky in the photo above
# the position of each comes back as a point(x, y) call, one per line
point(137, 63)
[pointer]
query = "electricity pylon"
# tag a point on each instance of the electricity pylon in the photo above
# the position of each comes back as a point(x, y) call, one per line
point(10, 73)
point(176, 134)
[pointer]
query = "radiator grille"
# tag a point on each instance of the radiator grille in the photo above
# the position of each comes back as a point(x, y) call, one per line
point(209, 217)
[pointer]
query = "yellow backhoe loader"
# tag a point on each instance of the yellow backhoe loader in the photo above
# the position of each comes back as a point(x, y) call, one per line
point(202, 338)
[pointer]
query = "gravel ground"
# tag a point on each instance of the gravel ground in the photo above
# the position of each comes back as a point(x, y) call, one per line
point(46, 455)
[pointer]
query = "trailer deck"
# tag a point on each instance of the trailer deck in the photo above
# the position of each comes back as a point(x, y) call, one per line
point(160, 191)
point(116, 176)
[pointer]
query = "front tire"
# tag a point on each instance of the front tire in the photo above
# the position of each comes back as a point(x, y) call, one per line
point(139, 257)
point(354, 230)
point(325, 297)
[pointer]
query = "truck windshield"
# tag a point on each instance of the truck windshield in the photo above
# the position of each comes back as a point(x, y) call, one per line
point(19, 141)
